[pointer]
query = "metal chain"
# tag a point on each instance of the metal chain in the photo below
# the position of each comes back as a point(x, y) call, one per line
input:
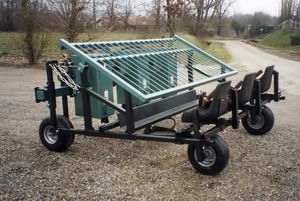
point(64, 77)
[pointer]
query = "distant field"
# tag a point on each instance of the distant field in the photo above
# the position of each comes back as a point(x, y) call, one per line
point(8, 47)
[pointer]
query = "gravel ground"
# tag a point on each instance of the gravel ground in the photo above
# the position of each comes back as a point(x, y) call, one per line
point(260, 167)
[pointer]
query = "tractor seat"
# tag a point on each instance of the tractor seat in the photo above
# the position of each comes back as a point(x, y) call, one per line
point(210, 114)
point(245, 93)
point(266, 79)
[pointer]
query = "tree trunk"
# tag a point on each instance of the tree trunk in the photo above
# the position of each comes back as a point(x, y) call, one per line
point(198, 26)
point(157, 16)
point(170, 21)
point(94, 15)
point(219, 28)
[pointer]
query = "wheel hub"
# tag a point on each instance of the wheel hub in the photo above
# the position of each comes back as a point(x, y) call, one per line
point(50, 135)
point(257, 122)
point(205, 155)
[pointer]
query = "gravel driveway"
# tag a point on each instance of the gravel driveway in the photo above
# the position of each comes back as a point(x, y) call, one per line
point(260, 167)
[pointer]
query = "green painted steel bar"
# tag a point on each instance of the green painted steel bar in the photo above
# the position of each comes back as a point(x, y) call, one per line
point(151, 70)
point(143, 54)
point(143, 64)
point(92, 48)
point(204, 53)
point(129, 62)
point(199, 58)
point(159, 58)
point(126, 78)
point(127, 41)
point(148, 68)
point(180, 59)
point(142, 69)
point(143, 41)
point(187, 86)
point(145, 71)
point(123, 51)
point(183, 47)
point(131, 75)
point(90, 61)
point(184, 60)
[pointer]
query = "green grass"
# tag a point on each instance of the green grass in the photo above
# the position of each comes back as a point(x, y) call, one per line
point(8, 47)
point(279, 39)
point(219, 51)
point(194, 40)
point(216, 49)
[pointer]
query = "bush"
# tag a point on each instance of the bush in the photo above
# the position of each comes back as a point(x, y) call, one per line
point(33, 45)
point(32, 41)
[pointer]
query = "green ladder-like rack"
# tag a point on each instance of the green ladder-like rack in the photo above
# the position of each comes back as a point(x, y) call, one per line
point(147, 69)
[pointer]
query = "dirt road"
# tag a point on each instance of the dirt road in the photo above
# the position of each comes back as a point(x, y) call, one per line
point(252, 58)
point(261, 167)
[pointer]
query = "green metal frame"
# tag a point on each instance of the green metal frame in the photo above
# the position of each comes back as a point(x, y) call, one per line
point(147, 69)
point(103, 70)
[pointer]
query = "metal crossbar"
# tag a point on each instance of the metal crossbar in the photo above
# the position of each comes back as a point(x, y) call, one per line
point(154, 68)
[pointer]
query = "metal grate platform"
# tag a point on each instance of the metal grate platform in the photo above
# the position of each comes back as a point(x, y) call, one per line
point(151, 69)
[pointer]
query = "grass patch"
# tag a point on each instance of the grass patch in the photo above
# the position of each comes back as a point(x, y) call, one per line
point(8, 47)
point(215, 49)
point(218, 50)
point(199, 42)
point(279, 39)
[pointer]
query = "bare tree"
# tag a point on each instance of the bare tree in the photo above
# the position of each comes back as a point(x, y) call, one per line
point(156, 9)
point(8, 14)
point(33, 41)
point(127, 11)
point(288, 9)
point(111, 13)
point(205, 11)
point(158, 13)
point(221, 12)
point(186, 19)
point(174, 10)
point(71, 15)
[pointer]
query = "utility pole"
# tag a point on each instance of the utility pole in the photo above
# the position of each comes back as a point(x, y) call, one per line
point(249, 28)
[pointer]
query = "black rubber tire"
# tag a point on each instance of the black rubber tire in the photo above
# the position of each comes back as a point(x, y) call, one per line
point(221, 151)
point(265, 127)
point(64, 141)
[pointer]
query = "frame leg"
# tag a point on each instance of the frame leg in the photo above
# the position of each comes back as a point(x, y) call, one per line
point(86, 102)
point(51, 93)
point(129, 113)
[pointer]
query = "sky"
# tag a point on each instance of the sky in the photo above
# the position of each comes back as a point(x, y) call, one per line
point(251, 6)
point(240, 6)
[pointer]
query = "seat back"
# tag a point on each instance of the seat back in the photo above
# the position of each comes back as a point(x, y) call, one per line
point(266, 79)
point(245, 93)
point(219, 104)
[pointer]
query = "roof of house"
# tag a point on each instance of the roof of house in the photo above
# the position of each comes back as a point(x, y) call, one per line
point(132, 20)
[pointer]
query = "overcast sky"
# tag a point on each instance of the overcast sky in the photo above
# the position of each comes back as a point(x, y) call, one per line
point(251, 6)
point(240, 6)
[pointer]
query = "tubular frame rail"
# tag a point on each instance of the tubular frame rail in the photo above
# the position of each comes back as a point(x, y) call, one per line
point(49, 94)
